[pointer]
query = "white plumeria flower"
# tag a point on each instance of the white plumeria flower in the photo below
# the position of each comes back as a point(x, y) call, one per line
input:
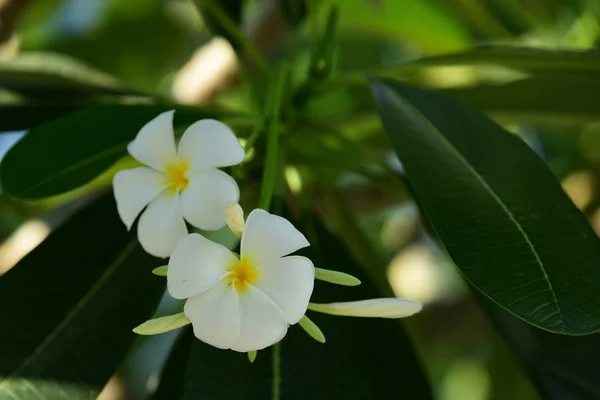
point(244, 304)
point(178, 182)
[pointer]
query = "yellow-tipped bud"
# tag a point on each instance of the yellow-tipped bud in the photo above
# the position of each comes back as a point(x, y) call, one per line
point(312, 329)
point(339, 278)
point(162, 324)
point(252, 355)
point(377, 308)
point(161, 271)
point(234, 215)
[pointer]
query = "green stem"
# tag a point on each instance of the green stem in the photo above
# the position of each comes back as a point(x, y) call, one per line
point(270, 171)
point(276, 388)
point(235, 32)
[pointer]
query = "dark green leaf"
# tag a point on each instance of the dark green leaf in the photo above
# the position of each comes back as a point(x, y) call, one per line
point(561, 367)
point(69, 152)
point(68, 308)
point(172, 377)
point(42, 75)
point(537, 100)
point(359, 361)
point(497, 208)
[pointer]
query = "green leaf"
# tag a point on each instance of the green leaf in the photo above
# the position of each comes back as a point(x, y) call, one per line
point(561, 367)
point(47, 74)
point(66, 153)
point(68, 308)
point(172, 377)
point(536, 100)
point(497, 208)
point(522, 58)
point(359, 361)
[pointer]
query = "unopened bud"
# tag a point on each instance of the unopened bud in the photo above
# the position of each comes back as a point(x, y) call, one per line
point(339, 278)
point(162, 324)
point(378, 308)
point(312, 329)
point(252, 355)
point(234, 215)
point(160, 271)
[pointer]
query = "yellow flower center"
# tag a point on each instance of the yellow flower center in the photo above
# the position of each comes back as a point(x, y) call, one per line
point(177, 178)
point(243, 273)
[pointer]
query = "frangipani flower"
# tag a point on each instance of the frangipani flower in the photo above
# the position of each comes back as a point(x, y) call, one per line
point(246, 303)
point(178, 182)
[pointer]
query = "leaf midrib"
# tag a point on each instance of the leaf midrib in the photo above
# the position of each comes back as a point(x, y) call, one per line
point(122, 256)
point(432, 128)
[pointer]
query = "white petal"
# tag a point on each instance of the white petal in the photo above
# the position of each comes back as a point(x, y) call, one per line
point(262, 322)
point(161, 226)
point(215, 315)
point(207, 197)
point(196, 265)
point(289, 282)
point(154, 145)
point(269, 236)
point(134, 189)
point(210, 144)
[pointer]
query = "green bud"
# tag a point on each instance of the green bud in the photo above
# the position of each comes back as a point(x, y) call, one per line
point(162, 324)
point(312, 329)
point(338, 278)
point(161, 271)
point(252, 355)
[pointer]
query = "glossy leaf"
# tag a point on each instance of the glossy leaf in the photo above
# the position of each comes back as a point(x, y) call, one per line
point(66, 153)
point(497, 208)
point(363, 358)
point(561, 367)
point(68, 308)
point(47, 74)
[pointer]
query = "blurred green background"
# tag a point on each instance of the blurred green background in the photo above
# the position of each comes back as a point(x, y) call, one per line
point(151, 46)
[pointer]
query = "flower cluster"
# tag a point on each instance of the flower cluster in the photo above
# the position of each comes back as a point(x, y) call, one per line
point(242, 302)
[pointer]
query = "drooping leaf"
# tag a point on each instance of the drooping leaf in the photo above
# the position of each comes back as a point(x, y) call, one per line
point(48, 74)
point(536, 100)
point(561, 367)
point(362, 359)
point(66, 153)
point(497, 208)
point(69, 307)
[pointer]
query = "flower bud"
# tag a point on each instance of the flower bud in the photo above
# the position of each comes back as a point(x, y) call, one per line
point(336, 277)
point(162, 324)
point(252, 355)
point(378, 308)
point(234, 216)
point(312, 329)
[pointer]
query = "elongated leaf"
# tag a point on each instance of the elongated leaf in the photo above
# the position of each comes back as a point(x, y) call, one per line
point(68, 308)
point(70, 151)
point(561, 367)
point(521, 58)
point(47, 74)
point(537, 100)
point(362, 359)
point(498, 210)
